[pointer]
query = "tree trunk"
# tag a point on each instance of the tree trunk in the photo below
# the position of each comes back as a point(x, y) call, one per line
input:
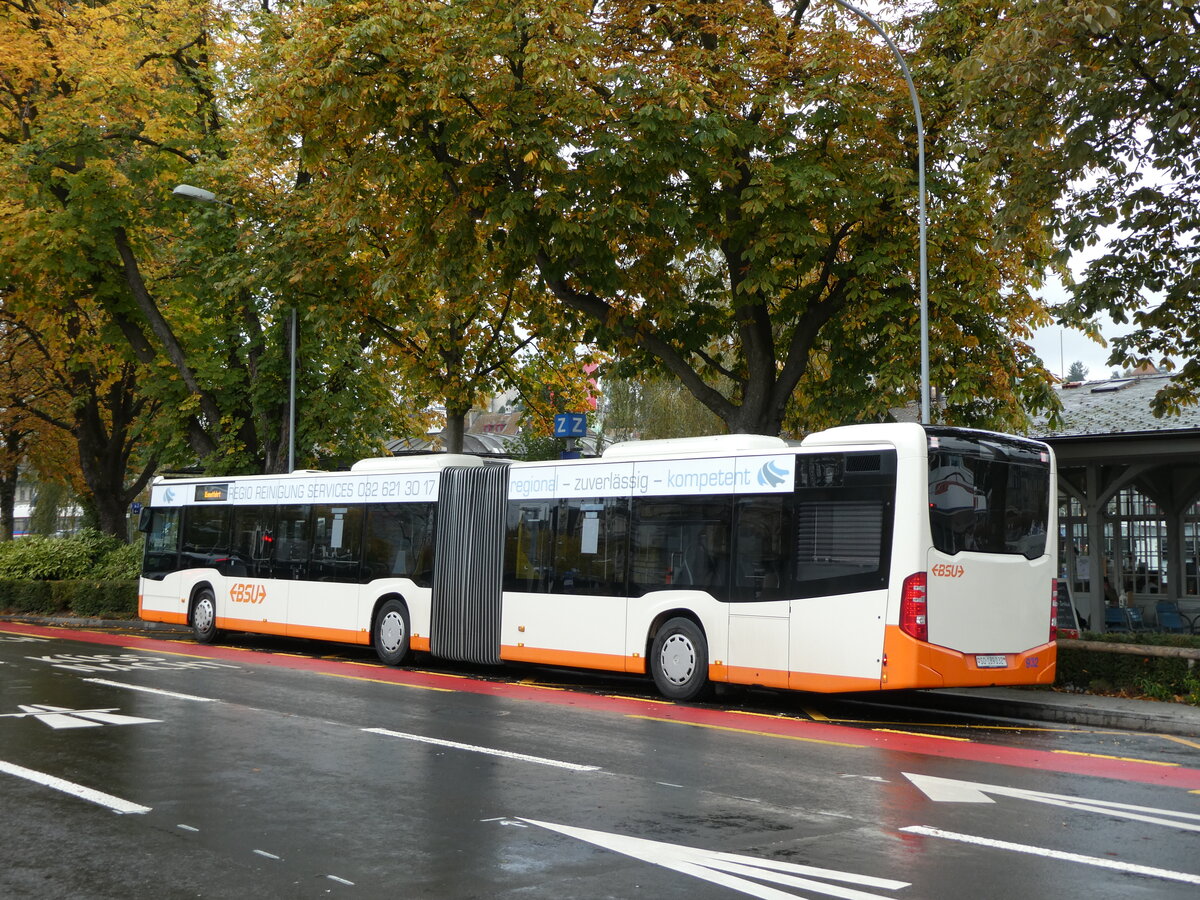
point(455, 430)
point(8, 496)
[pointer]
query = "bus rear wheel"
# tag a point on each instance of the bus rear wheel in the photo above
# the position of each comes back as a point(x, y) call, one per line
point(679, 660)
point(204, 616)
point(391, 633)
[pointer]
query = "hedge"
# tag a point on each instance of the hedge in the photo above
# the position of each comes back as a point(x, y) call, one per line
point(1098, 671)
point(85, 599)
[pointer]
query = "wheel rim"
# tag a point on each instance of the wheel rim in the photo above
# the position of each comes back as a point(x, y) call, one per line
point(677, 660)
point(204, 614)
point(391, 631)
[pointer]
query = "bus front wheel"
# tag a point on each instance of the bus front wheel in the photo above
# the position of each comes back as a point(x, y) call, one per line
point(204, 616)
point(679, 660)
point(391, 633)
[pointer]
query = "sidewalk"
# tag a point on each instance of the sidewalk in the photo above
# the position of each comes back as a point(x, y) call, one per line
point(1092, 710)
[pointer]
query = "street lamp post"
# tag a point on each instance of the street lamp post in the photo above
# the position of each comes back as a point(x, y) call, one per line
point(188, 192)
point(924, 285)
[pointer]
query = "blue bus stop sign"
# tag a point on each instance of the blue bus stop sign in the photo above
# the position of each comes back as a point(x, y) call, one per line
point(570, 425)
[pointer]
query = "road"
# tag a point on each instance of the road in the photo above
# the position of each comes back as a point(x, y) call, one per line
point(140, 767)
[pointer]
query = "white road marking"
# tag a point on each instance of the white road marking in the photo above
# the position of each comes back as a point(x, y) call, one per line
point(340, 880)
point(727, 869)
point(1131, 868)
point(58, 717)
point(267, 855)
point(188, 828)
point(948, 790)
point(150, 690)
point(490, 751)
point(116, 804)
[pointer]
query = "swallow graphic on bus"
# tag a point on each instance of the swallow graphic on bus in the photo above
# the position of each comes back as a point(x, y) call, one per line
point(771, 475)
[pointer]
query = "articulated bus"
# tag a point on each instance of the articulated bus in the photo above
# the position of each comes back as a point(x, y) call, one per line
point(868, 557)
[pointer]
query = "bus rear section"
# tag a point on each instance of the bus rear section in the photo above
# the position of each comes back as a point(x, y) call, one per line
point(977, 608)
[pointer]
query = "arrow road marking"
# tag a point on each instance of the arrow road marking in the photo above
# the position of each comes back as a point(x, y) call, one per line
point(62, 717)
point(1131, 868)
point(732, 870)
point(948, 790)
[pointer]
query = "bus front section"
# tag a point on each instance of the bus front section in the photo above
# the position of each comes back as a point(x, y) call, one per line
point(977, 608)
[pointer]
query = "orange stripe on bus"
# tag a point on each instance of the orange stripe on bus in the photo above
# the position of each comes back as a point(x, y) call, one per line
point(155, 615)
point(419, 643)
point(575, 658)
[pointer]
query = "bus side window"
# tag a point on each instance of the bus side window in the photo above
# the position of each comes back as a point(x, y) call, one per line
point(529, 563)
point(680, 542)
point(253, 539)
point(337, 543)
point(162, 543)
point(399, 542)
point(205, 536)
point(590, 545)
point(290, 556)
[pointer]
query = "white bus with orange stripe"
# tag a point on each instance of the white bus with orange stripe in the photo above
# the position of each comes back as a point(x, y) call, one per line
point(868, 557)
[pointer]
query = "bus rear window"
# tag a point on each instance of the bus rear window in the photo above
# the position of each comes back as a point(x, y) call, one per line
point(988, 495)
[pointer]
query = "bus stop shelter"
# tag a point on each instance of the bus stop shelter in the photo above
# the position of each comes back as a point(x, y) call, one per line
point(1129, 501)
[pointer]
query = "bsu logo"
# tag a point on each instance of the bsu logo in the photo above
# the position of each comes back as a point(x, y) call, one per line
point(247, 593)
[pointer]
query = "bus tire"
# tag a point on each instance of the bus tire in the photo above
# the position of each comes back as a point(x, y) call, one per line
point(204, 616)
point(390, 633)
point(679, 660)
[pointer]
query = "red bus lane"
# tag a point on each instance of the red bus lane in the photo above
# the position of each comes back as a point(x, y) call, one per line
point(777, 727)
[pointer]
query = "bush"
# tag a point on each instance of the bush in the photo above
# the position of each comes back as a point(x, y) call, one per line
point(40, 558)
point(122, 563)
point(86, 554)
point(1159, 678)
point(87, 599)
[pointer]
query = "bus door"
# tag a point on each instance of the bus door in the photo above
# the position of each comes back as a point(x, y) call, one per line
point(323, 594)
point(840, 562)
point(251, 594)
point(760, 607)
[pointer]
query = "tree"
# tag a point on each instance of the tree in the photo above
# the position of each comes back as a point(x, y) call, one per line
point(141, 303)
point(723, 190)
point(1077, 372)
point(1111, 87)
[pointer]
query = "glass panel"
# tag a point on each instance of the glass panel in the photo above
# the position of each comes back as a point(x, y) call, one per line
point(988, 497)
point(590, 545)
point(290, 557)
point(399, 542)
point(337, 543)
point(162, 544)
point(681, 542)
point(205, 536)
point(253, 541)
point(762, 529)
point(529, 546)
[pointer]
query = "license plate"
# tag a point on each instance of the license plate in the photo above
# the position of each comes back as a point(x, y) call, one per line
point(991, 662)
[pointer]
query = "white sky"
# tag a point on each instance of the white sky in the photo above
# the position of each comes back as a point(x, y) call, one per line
point(1059, 347)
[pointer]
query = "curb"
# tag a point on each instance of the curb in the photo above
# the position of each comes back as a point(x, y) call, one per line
point(75, 622)
point(1081, 709)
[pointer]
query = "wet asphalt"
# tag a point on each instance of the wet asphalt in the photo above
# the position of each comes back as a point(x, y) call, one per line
point(158, 768)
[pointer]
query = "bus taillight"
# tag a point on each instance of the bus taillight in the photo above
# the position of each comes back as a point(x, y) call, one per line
point(1053, 610)
point(913, 610)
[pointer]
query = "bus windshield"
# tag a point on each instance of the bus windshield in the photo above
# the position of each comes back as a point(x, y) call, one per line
point(988, 494)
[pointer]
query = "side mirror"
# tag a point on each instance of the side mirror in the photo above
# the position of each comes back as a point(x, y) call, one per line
point(144, 520)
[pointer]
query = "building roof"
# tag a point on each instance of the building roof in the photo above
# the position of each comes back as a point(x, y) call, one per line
point(1112, 407)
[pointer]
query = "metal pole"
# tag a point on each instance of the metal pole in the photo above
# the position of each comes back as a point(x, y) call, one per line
point(292, 398)
point(912, 90)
